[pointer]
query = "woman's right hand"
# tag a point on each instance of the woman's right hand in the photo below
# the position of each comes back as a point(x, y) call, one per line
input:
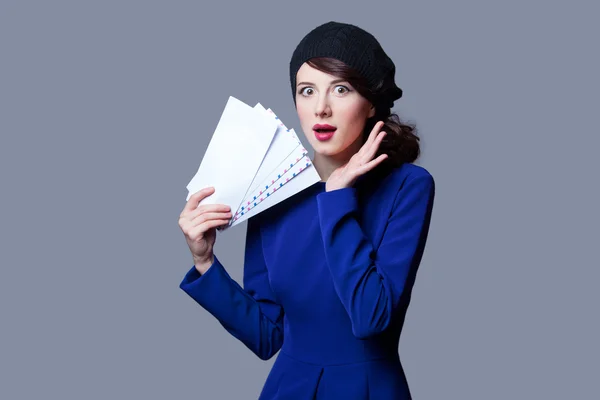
point(199, 227)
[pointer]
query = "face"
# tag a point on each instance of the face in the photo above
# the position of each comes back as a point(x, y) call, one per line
point(331, 112)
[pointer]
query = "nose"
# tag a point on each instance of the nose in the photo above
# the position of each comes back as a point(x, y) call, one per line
point(322, 107)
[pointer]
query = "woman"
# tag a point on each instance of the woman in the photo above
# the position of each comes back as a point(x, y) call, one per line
point(328, 273)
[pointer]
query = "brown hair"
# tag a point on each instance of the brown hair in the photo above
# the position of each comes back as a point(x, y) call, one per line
point(401, 143)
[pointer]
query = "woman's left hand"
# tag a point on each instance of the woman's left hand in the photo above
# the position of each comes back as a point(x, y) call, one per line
point(360, 163)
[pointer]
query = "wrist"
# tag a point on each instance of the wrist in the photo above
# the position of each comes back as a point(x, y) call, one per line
point(203, 264)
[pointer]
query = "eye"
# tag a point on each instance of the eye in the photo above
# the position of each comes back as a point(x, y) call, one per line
point(307, 91)
point(341, 89)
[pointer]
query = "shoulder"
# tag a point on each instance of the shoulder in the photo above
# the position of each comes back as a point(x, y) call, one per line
point(411, 192)
point(407, 177)
point(384, 191)
point(409, 172)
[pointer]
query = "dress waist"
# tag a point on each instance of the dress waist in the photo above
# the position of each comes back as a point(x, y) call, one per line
point(345, 350)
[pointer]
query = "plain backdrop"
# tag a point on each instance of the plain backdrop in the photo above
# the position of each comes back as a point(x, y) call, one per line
point(106, 109)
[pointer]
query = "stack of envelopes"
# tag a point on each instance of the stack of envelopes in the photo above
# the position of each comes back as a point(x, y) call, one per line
point(253, 161)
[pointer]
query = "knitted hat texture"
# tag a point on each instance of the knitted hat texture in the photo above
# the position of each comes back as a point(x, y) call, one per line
point(353, 46)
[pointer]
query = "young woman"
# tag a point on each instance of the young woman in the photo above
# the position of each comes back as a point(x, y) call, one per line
point(328, 273)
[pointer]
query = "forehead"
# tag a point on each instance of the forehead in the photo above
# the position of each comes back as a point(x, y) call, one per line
point(310, 74)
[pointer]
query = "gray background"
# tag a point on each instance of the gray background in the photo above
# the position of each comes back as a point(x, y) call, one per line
point(106, 109)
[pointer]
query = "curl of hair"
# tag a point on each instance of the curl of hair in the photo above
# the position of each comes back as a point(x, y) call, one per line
point(401, 142)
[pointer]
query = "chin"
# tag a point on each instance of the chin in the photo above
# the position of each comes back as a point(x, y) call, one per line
point(327, 149)
point(326, 152)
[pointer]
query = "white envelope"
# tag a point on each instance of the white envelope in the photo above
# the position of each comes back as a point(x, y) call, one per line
point(234, 154)
point(301, 181)
point(284, 144)
point(274, 181)
point(293, 134)
point(254, 162)
point(294, 174)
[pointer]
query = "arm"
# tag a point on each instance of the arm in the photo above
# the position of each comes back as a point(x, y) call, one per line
point(370, 288)
point(251, 315)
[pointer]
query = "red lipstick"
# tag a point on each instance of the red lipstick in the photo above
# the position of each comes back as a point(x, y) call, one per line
point(323, 131)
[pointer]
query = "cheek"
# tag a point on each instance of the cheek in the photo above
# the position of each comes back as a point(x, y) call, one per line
point(355, 116)
point(303, 112)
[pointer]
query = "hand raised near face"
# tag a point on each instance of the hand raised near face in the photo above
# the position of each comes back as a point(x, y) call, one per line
point(360, 163)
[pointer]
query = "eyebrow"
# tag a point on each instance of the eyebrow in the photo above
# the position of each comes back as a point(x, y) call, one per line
point(331, 83)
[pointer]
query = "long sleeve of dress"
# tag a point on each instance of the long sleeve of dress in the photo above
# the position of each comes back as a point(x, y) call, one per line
point(252, 314)
point(370, 285)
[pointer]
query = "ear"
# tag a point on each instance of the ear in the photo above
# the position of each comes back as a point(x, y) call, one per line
point(371, 111)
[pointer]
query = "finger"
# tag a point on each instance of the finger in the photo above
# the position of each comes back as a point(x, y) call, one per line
point(197, 197)
point(375, 146)
point(374, 132)
point(191, 218)
point(378, 141)
point(208, 208)
point(209, 217)
point(372, 164)
point(371, 138)
point(194, 218)
point(208, 225)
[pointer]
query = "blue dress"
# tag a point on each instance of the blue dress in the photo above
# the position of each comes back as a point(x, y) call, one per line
point(327, 281)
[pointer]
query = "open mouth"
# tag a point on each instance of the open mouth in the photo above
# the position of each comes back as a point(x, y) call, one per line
point(323, 128)
point(323, 131)
point(324, 134)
